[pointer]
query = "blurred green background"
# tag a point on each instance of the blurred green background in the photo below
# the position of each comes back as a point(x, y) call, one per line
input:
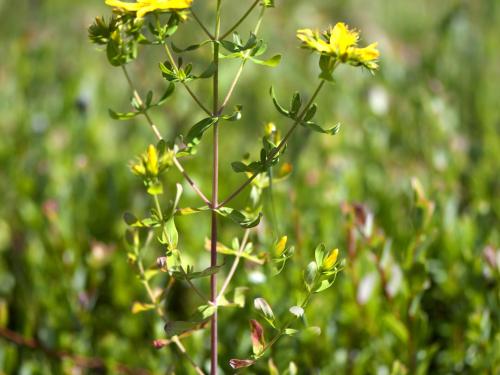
point(431, 112)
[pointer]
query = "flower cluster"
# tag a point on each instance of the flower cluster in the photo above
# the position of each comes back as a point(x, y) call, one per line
point(143, 7)
point(340, 44)
point(152, 162)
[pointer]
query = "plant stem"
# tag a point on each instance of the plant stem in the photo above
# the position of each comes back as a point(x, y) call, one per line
point(159, 137)
point(277, 149)
point(240, 21)
point(234, 266)
point(215, 192)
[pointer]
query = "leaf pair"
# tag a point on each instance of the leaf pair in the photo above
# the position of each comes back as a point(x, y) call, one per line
point(305, 117)
point(141, 108)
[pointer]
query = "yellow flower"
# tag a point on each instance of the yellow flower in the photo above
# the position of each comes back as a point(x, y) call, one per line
point(142, 7)
point(341, 44)
point(341, 39)
point(330, 259)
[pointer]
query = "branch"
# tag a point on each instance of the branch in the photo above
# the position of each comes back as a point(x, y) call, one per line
point(159, 137)
point(240, 21)
point(209, 34)
point(277, 149)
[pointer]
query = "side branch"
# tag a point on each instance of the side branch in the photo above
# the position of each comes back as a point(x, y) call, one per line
point(275, 150)
point(240, 21)
point(158, 135)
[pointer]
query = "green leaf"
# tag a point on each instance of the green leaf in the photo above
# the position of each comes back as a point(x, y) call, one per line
point(196, 132)
point(271, 62)
point(122, 115)
point(278, 107)
point(239, 217)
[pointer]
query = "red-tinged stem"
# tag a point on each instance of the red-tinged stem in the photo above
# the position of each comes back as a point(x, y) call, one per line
point(215, 193)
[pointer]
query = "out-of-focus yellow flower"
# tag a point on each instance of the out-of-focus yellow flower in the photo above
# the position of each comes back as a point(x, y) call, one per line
point(142, 7)
point(340, 43)
point(280, 246)
point(330, 259)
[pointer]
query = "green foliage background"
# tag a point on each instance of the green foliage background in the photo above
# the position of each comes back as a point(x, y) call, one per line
point(430, 112)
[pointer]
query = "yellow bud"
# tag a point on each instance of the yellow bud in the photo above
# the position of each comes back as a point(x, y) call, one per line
point(280, 246)
point(330, 259)
point(152, 160)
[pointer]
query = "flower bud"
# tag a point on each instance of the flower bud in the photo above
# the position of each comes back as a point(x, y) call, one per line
point(280, 246)
point(330, 260)
point(138, 169)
